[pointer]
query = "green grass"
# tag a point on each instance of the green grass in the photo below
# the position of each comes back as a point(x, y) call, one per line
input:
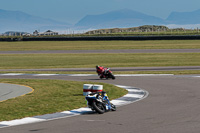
point(98, 45)
point(28, 61)
point(49, 96)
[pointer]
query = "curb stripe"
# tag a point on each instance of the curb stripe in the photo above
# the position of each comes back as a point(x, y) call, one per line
point(134, 94)
point(117, 75)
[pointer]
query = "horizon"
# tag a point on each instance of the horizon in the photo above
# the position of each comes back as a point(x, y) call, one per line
point(72, 11)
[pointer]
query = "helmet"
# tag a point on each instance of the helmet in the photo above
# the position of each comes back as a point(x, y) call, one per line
point(97, 66)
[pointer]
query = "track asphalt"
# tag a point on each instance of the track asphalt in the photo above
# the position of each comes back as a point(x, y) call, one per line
point(172, 106)
point(170, 68)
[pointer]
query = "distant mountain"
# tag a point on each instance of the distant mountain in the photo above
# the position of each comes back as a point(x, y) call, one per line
point(124, 18)
point(119, 18)
point(20, 21)
point(184, 17)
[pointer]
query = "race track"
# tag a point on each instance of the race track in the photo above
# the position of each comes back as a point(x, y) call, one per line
point(170, 68)
point(172, 106)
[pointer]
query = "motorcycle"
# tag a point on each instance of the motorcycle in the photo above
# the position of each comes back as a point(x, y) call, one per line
point(107, 74)
point(99, 102)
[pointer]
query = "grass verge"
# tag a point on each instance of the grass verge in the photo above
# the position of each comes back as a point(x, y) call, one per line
point(98, 45)
point(31, 61)
point(50, 96)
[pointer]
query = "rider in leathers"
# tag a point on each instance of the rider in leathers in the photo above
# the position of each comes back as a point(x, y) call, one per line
point(101, 71)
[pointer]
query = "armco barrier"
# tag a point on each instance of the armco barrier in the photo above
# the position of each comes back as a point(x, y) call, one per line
point(103, 38)
point(107, 38)
point(9, 39)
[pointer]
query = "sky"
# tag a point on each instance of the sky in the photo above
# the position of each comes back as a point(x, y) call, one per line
point(71, 11)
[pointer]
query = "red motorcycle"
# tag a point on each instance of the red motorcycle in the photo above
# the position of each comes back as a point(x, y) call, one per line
point(104, 72)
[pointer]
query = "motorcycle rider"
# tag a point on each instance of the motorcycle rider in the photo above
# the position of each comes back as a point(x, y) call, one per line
point(101, 97)
point(101, 71)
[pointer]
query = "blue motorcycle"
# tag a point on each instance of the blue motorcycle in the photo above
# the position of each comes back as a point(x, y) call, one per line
point(99, 102)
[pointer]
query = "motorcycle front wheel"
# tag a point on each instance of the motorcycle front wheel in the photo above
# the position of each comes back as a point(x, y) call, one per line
point(112, 76)
point(98, 107)
point(113, 107)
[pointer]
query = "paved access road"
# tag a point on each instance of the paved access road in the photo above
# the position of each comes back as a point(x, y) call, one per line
point(172, 106)
point(8, 91)
point(104, 51)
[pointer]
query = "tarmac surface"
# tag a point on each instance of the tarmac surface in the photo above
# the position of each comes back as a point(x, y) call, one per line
point(8, 91)
point(172, 106)
point(170, 68)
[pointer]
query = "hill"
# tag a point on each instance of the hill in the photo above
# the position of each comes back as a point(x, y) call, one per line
point(144, 28)
point(124, 18)
point(119, 18)
point(184, 17)
point(20, 21)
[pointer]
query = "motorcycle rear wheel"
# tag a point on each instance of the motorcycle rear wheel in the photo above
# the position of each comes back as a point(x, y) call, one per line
point(99, 108)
